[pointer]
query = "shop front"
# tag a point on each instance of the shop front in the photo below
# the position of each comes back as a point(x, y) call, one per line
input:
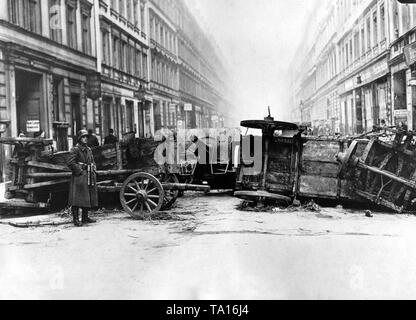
point(365, 99)
point(404, 89)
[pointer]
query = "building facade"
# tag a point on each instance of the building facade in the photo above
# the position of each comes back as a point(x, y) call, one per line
point(130, 65)
point(363, 58)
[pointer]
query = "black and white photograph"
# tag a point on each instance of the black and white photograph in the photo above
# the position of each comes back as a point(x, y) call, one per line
point(207, 150)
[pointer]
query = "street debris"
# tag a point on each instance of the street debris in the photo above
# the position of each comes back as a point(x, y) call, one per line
point(368, 214)
point(312, 206)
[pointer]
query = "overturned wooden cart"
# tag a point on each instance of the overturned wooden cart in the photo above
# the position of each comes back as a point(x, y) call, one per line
point(127, 168)
point(385, 172)
point(294, 166)
point(375, 168)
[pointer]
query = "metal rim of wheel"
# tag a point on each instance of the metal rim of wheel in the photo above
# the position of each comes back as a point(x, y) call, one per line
point(141, 195)
point(170, 195)
point(258, 196)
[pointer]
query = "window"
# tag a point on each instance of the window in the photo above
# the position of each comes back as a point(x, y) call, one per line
point(375, 29)
point(138, 63)
point(382, 22)
point(129, 116)
point(123, 56)
point(406, 17)
point(121, 10)
point(114, 4)
point(129, 12)
point(142, 7)
point(144, 66)
point(26, 14)
point(55, 23)
point(116, 53)
point(152, 29)
point(368, 33)
point(86, 28)
point(133, 58)
point(356, 46)
point(106, 47)
point(362, 41)
point(71, 23)
point(136, 13)
point(346, 55)
point(395, 18)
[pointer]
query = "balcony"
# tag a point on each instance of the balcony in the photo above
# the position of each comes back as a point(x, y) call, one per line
point(159, 48)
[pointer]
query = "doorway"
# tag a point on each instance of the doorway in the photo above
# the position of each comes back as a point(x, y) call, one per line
point(76, 113)
point(359, 111)
point(29, 102)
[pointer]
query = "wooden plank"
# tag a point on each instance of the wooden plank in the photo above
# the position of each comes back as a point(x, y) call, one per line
point(186, 187)
point(45, 184)
point(50, 166)
point(322, 169)
point(22, 204)
point(279, 180)
point(48, 175)
point(321, 150)
point(318, 186)
point(379, 201)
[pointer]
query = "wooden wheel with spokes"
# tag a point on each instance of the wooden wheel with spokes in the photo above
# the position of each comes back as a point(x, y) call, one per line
point(141, 195)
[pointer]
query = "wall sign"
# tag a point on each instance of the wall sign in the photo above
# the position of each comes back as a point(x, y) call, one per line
point(188, 106)
point(32, 126)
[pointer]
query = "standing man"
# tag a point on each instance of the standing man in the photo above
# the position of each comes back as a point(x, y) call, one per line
point(92, 139)
point(111, 138)
point(83, 192)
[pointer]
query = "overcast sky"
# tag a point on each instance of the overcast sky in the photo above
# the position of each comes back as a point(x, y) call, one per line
point(259, 39)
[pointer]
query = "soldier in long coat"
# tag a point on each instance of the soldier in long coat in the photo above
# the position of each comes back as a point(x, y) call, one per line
point(83, 190)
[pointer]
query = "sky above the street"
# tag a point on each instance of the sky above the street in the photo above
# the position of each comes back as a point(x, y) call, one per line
point(258, 39)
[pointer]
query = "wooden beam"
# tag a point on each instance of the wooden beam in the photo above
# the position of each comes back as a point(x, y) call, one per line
point(49, 175)
point(185, 187)
point(22, 204)
point(50, 166)
point(45, 184)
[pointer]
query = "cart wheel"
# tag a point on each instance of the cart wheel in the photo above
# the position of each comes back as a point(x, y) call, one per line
point(141, 195)
point(170, 195)
point(261, 196)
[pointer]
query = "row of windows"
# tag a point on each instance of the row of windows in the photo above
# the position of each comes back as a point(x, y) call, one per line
point(371, 31)
point(167, 113)
point(326, 70)
point(162, 34)
point(28, 15)
point(164, 73)
point(124, 56)
point(132, 10)
point(195, 88)
point(192, 59)
point(345, 8)
point(169, 8)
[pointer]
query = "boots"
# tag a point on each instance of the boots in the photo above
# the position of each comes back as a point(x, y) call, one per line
point(75, 215)
point(85, 218)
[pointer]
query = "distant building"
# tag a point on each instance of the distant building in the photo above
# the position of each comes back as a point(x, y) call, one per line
point(131, 65)
point(357, 73)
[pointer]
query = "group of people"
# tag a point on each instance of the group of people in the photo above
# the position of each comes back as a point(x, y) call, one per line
point(92, 140)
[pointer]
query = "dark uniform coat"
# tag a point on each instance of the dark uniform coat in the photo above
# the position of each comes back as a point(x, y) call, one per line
point(80, 194)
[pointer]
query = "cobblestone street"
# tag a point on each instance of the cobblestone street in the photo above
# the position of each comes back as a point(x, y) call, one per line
point(211, 250)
